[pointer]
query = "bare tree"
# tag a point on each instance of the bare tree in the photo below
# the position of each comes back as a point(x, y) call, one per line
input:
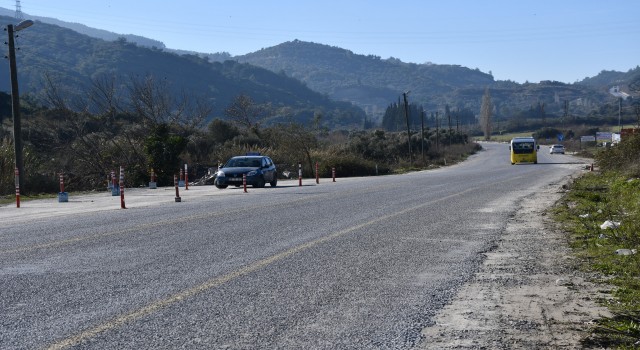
point(150, 99)
point(486, 111)
point(244, 112)
point(103, 95)
point(52, 94)
point(199, 111)
point(190, 111)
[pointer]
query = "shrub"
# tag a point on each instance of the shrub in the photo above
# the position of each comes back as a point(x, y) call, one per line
point(623, 157)
point(347, 165)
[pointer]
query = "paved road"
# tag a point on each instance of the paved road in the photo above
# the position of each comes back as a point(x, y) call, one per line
point(359, 263)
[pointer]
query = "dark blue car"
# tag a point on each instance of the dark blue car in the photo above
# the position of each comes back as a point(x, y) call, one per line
point(259, 170)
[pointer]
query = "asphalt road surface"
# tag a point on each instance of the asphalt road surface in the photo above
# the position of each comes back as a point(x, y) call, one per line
point(360, 263)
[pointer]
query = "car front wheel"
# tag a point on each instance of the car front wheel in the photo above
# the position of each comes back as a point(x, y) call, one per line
point(259, 183)
point(221, 186)
point(274, 182)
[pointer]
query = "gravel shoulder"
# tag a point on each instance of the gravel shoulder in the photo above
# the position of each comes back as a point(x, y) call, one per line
point(527, 294)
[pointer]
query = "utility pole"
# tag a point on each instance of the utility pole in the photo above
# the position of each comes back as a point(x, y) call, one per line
point(450, 129)
point(406, 115)
point(422, 135)
point(15, 107)
point(449, 116)
point(566, 113)
point(437, 133)
point(15, 101)
point(619, 114)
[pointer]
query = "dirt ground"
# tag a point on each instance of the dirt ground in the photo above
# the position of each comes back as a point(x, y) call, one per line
point(528, 293)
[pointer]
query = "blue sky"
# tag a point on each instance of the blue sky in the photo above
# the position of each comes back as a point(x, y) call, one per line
point(519, 40)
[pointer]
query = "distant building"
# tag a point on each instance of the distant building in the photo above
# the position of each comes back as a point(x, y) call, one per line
point(615, 91)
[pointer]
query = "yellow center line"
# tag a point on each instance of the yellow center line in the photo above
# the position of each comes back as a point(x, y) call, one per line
point(218, 281)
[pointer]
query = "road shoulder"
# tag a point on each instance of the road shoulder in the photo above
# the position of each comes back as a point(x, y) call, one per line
point(527, 294)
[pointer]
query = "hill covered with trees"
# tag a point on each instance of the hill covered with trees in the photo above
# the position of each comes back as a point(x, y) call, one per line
point(374, 83)
point(304, 76)
point(61, 62)
point(368, 81)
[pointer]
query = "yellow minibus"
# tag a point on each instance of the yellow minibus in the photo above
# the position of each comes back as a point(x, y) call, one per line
point(524, 150)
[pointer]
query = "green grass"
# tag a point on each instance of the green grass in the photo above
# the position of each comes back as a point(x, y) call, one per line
point(616, 128)
point(506, 137)
point(592, 200)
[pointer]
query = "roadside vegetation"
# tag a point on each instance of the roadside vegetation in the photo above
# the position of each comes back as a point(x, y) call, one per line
point(149, 128)
point(601, 211)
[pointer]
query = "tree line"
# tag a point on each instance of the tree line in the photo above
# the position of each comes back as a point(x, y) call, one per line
point(141, 125)
point(394, 118)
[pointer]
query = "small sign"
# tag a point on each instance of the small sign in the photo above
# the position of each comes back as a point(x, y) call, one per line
point(587, 138)
point(603, 136)
point(616, 138)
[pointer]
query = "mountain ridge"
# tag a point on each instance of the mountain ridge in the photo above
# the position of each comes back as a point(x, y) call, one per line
point(72, 61)
point(372, 83)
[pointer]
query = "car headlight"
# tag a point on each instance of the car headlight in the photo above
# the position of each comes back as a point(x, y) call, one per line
point(252, 173)
point(220, 173)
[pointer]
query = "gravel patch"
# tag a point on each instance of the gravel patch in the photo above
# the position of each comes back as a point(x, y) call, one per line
point(527, 294)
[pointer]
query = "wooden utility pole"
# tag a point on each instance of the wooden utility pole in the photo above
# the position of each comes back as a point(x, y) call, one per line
point(437, 133)
point(422, 135)
point(406, 115)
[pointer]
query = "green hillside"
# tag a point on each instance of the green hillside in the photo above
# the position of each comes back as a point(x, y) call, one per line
point(373, 83)
point(300, 79)
point(72, 62)
point(368, 81)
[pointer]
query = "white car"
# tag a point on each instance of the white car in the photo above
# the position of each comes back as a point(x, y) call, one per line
point(556, 149)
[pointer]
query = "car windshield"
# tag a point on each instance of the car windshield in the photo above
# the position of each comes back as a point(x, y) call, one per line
point(243, 163)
